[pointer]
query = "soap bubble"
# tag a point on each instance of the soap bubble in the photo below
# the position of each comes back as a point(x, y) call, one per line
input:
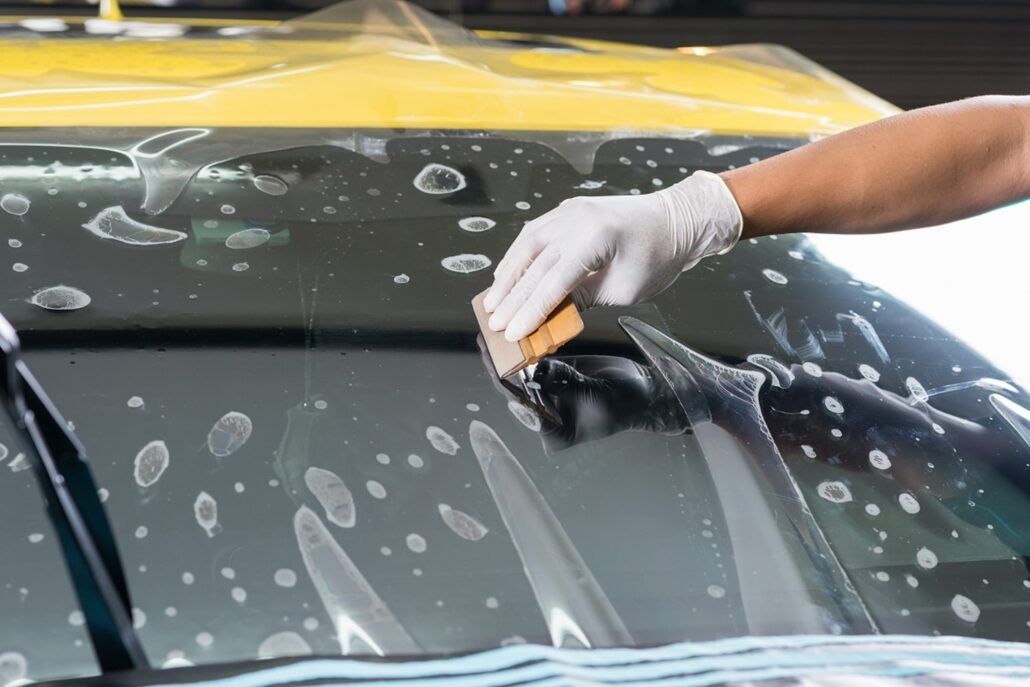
point(465, 263)
point(15, 204)
point(229, 434)
point(273, 186)
point(437, 179)
point(251, 237)
point(60, 297)
point(476, 225)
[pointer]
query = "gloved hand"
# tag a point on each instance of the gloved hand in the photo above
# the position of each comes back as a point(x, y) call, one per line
point(613, 250)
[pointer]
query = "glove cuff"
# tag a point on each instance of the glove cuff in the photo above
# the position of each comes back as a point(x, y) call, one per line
point(703, 216)
point(726, 218)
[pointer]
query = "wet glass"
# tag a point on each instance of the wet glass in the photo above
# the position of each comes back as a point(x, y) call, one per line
point(276, 374)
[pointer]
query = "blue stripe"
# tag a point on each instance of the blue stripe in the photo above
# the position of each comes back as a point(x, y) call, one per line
point(757, 658)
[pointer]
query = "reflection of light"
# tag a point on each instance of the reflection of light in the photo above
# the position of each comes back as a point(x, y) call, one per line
point(148, 101)
point(43, 24)
point(700, 52)
point(562, 626)
point(190, 135)
point(347, 631)
point(970, 277)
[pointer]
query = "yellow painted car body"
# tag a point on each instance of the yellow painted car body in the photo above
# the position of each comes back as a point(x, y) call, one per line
point(364, 64)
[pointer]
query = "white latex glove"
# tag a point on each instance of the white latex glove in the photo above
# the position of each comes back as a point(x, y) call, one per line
point(610, 250)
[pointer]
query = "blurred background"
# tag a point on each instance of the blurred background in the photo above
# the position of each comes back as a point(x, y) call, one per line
point(910, 52)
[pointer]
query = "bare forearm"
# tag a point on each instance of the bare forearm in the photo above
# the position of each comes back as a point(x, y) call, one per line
point(919, 168)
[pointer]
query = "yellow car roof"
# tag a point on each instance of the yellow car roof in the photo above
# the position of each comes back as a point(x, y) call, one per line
point(389, 64)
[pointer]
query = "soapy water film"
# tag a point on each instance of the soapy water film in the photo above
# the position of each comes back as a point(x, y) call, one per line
point(571, 603)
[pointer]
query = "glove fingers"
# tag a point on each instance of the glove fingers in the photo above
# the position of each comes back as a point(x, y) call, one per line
point(523, 288)
point(526, 246)
point(548, 292)
point(517, 261)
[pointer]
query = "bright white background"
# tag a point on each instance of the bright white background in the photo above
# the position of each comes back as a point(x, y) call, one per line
point(971, 277)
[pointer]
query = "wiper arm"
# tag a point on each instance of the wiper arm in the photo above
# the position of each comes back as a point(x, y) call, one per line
point(73, 505)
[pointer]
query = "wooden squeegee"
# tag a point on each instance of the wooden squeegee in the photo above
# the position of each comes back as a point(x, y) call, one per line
point(560, 327)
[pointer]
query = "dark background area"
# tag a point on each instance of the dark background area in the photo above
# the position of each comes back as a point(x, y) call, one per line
point(910, 52)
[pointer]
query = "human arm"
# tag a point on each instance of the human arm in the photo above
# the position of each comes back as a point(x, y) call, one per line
point(920, 168)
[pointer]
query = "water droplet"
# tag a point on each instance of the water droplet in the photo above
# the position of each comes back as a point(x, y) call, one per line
point(472, 407)
point(382, 459)
point(808, 451)
point(937, 428)
point(14, 243)
point(774, 276)
point(76, 619)
point(911, 581)
point(113, 223)
point(229, 434)
point(141, 532)
point(60, 297)
point(879, 460)
point(321, 404)
point(13, 668)
point(415, 461)
point(465, 263)
point(882, 576)
point(377, 490)
point(244, 239)
point(491, 602)
point(833, 405)
point(205, 639)
point(416, 542)
point(284, 577)
point(151, 462)
point(462, 524)
point(240, 267)
point(916, 390)
point(834, 492)
point(228, 573)
point(227, 209)
point(965, 609)
point(476, 225)
point(333, 495)
point(872, 509)
point(523, 205)
point(310, 624)
point(104, 494)
point(525, 415)
point(281, 644)
point(441, 441)
point(272, 185)
point(19, 267)
point(437, 179)
point(239, 594)
point(15, 204)
point(869, 372)
point(205, 510)
point(35, 538)
point(926, 558)
point(908, 503)
point(238, 487)
point(134, 402)
point(401, 279)
point(715, 591)
point(812, 369)
point(187, 578)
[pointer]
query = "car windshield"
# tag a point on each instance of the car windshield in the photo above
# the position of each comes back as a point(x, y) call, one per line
point(266, 345)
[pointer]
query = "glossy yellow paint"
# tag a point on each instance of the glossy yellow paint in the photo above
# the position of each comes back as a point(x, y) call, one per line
point(424, 74)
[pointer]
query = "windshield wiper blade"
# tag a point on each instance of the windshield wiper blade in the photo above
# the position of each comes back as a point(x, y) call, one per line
point(73, 505)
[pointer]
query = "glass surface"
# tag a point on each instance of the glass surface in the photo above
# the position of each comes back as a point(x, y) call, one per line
point(42, 633)
point(278, 381)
